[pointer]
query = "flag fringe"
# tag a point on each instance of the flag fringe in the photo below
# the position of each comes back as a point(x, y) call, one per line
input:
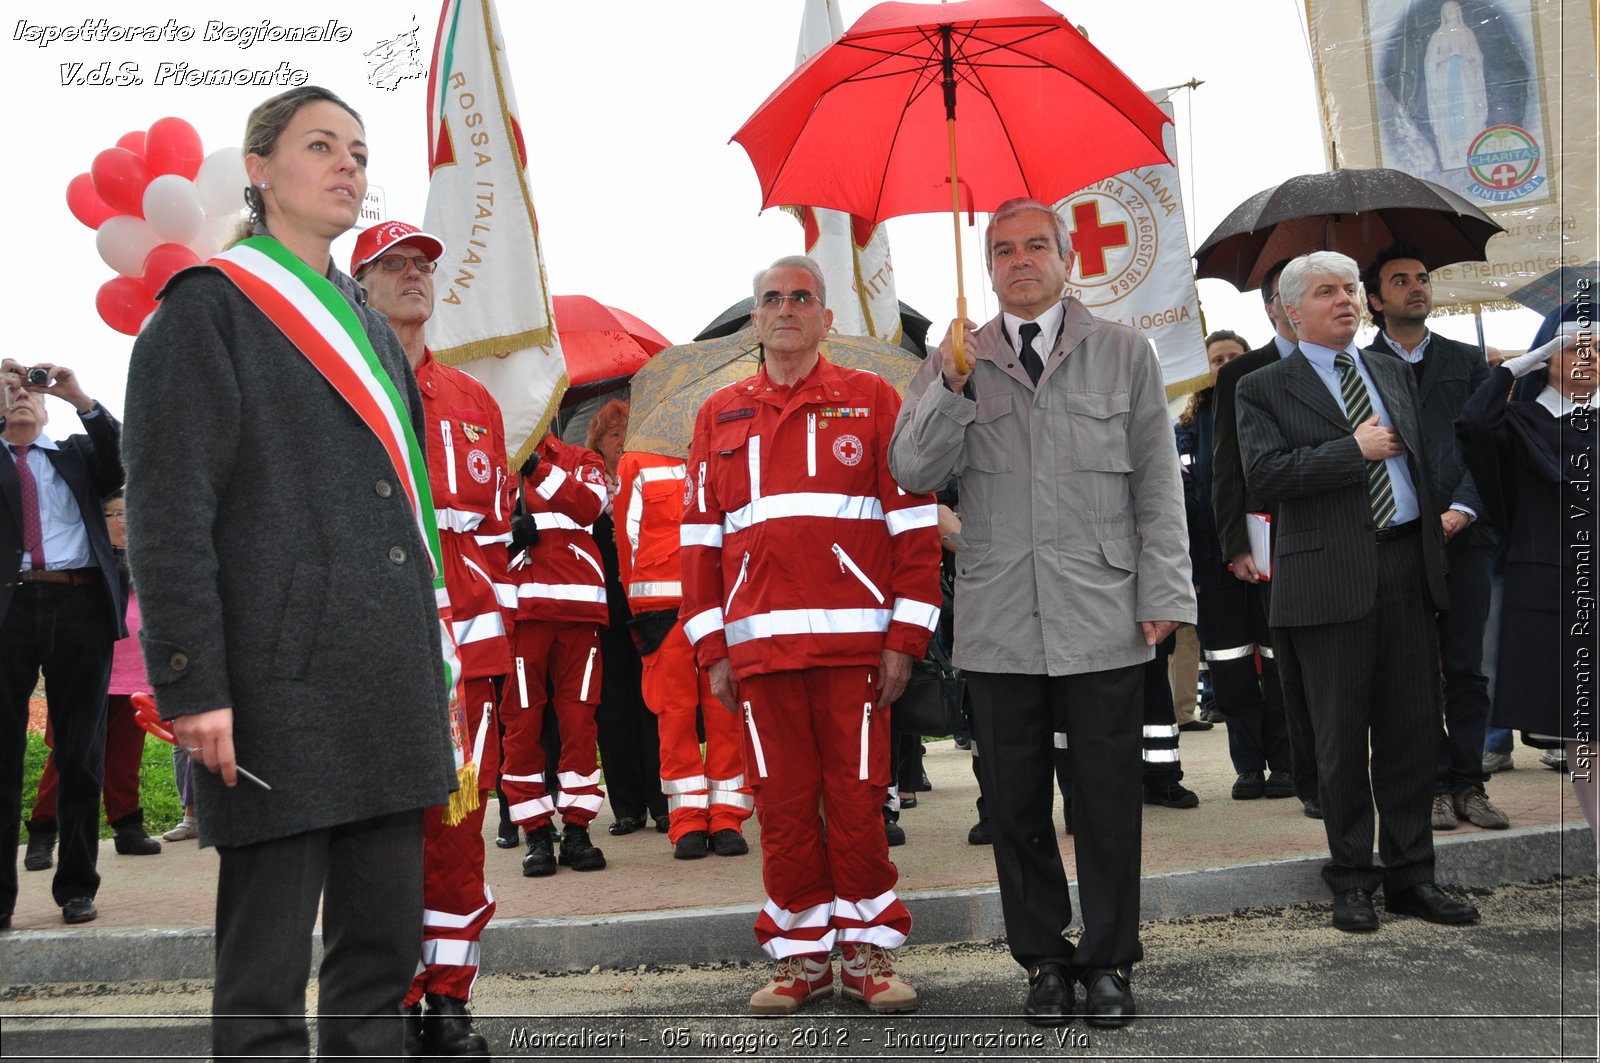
point(465, 800)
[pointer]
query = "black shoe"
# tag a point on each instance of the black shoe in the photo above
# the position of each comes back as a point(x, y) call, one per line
point(133, 841)
point(1110, 1001)
point(41, 850)
point(1280, 784)
point(1051, 997)
point(79, 910)
point(895, 832)
point(729, 842)
point(908, 800)
point(1352, 911)
point(979, 834)
point(963, 741)
point(1196, 724)
point(1249, 786)
point(447, 1030)
point(1427, 901)
point(577, 851)
point(540, 859)
point(411, 1048)
point(1174, 796)
point(507, 836)
point(1313, 808)
point(1211, 716)
point(5, 921)
point(691, 846)
point(663, 824)
point(924, 784)
point(627, 825)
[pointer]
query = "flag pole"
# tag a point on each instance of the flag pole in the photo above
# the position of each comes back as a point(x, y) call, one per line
point(957, 340)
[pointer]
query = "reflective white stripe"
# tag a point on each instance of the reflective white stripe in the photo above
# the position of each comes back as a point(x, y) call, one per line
point(1161, 730)
point(744, 569)
point(583, 695)
point(635, 511)
point(522, 688)
point(919, 613)
point(803, 504)
point(700, 625)
point(552, 480)
point(1236, 653)
point(782, 947)
point(586, 802)
point(863, 911)
point(477, 754)
point(452, 920)
point(700, 535)
point(885, 937)
point(449, 456)
point(735, 783)
point(581, 552)
point(904, 520)
point(702, 488)
point(1061, 740)
point(563, 592)
point(599, 489)
point(483, 626)
point(811, 444)
point(866, 730)
point(755, 468)
point(1161, 756)
point(523, 811)
point(499, 488)
point(657, 473)
point(660, 588)
point(847, 563)
point(755, 741)
point(447, 952)
point(731, 799)
point(490, 540)
point(551, 521)
point(506, 595)
point(814, 916)
point(537, 778)
point(689, 784)
point(807, 622)
point(441, 598)
point(677, 801)
point(1265, 651)
point(572, 780)
point(457, 520)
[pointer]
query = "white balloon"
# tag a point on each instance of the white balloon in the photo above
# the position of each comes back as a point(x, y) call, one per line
point(221, 181)
point(172, 207)
point(124, 241)
point(215, 233)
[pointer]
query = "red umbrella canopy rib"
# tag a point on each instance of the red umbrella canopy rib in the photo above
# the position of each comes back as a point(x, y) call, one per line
point(600, 342)
point(1038, 110)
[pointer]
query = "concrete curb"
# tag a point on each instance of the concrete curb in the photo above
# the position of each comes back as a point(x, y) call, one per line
point(722, 934)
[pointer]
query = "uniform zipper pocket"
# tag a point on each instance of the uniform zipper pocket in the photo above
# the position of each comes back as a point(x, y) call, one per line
point(755, 741)
point(866, 731)
point(847, 564)
point(581, 552)
point(522, 683)
point(811, 444)
point(744, 567)
point(588, 673)
point(702, 488)
point(449, 456)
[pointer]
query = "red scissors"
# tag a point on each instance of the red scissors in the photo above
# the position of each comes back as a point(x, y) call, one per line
point(145, 712)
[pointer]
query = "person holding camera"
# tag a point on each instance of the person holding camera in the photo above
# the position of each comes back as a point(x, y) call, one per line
point(61, 609)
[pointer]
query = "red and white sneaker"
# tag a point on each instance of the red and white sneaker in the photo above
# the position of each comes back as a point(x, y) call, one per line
point(797, 980)
point(867, 974)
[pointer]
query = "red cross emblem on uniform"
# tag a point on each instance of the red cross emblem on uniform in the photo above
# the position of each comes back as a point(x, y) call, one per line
point(848, 450)
point(478, 466)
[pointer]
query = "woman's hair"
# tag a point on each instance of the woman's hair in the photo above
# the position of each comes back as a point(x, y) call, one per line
point(1198, 399)
point(261, 132)
point(613, 414)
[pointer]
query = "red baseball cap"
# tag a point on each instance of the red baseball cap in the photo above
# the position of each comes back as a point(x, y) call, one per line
point(385, 235)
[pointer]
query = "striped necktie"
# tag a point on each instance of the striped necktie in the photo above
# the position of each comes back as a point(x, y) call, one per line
point(32, 528)
point(1358, 408)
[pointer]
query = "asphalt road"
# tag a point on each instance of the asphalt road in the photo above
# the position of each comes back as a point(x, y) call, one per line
point(1258, 984)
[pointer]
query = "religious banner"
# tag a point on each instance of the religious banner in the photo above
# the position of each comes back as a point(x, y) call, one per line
point(1133, 263)
point(492, 313)
point(1494, 99)
point(853, 253)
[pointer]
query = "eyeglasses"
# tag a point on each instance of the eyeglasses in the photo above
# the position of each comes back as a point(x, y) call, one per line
point(396, 263)
point(116, 514)
point(775, 300)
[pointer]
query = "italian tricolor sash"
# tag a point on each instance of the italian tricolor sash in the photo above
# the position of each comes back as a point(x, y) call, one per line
point(314, 316)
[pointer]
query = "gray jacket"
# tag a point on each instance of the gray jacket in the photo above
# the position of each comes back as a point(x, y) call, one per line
point(280, 570)
point(1072, 515)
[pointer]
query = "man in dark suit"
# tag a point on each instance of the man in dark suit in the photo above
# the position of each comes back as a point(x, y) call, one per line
point(61, 609)
point(1447, 373)
point(1335, 439)
point(1230, 501)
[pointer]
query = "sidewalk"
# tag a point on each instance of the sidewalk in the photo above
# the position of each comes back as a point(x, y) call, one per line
point(645, 907)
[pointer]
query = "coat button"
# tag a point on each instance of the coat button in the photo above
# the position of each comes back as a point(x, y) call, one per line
point(383, 489)
point(397, 555)
point(179, 661)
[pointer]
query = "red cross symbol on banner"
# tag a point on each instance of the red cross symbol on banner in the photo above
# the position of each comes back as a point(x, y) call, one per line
point(1092, 239)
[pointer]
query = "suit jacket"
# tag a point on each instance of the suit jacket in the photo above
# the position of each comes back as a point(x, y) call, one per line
point(91, 464)
point(1072, 522)
point(1230, 495)
point(1300, 453)
point(1451, 372)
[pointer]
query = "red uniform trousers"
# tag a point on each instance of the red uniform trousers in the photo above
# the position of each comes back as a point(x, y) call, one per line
point(566, 655)
point(457, 903)
point(124, 754)
point(810, 736)
point(707, 792)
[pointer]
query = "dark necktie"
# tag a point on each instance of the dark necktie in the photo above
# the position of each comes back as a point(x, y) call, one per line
point(1358, 408)
point(1030, 357)
point(32, 530)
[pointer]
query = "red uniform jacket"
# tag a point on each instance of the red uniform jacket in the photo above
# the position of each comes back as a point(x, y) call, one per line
point(648, 510)
point(561, 577)
point(799, 549)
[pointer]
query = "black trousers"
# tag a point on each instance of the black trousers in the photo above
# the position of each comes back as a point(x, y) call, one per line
point(62, 629)
point(368, 877)
point(1296, 713)
point(626, 731)
point(1014, 722)
point(1372, 685)
point(1466, 688)
point(1232, 627)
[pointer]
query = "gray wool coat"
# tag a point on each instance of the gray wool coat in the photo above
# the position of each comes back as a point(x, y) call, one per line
point(1072, 520)
point(280, 570)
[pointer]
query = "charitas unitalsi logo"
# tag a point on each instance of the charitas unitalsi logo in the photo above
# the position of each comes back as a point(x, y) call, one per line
point(1504, 161)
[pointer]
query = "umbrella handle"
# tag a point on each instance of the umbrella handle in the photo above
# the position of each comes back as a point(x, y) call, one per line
point(958, 346)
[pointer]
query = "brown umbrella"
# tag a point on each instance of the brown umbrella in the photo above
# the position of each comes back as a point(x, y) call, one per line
point(668, 390)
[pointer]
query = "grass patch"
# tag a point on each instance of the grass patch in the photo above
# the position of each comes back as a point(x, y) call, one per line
point(158, 790)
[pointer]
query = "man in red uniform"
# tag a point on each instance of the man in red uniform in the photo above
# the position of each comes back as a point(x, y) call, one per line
point(471, 483)
point(561, 607)
point(811, 581)
point(707, 795)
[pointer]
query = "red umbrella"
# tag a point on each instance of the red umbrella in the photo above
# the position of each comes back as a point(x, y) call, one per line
point(1032, 107)
point(601, 342)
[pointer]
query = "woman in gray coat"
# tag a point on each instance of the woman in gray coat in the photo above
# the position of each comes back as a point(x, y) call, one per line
point(277, 537)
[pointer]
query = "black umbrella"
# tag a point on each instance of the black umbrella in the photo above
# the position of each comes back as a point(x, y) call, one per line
point(913, 326)
point(1357, 212)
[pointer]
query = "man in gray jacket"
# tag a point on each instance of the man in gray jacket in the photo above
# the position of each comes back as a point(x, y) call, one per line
point(1072, 565)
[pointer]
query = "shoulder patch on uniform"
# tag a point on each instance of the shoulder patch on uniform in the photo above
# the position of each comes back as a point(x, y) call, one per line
point(736, 415)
